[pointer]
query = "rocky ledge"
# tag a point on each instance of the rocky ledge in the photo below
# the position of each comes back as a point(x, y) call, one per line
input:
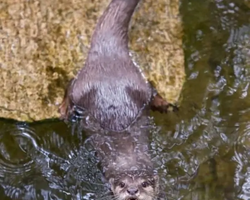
point(43, 44)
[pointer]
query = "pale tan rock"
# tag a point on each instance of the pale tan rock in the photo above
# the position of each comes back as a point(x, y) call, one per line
point(156, 37)
point(43, 44)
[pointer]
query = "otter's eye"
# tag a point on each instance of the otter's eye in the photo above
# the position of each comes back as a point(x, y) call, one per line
point(145, 184)
point(122, 184)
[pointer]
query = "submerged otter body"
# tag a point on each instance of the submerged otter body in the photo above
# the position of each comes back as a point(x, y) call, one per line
point(126, 163)
point(114, 99)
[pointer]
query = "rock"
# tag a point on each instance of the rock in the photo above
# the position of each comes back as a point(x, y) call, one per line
point(43, 44)
point(156, 37)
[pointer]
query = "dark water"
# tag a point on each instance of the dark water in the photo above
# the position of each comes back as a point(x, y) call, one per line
point(202, 150)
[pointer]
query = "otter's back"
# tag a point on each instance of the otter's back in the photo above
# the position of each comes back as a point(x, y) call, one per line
point(112, 90)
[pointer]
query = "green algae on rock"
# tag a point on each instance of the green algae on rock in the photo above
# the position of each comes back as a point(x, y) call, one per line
point(44, 43)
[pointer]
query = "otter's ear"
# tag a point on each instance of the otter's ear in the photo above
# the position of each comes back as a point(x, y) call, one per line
point(112, 184)
point(156, 179)
point(66, 106)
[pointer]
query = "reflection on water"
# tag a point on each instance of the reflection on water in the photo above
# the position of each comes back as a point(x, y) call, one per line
point(201, 152)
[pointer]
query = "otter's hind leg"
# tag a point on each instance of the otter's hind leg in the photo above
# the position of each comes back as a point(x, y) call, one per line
point(161, 105)
point(66, 107)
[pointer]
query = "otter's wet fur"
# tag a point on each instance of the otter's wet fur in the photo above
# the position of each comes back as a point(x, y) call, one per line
point(110, 87)
point(126, 162)
point(114, 99)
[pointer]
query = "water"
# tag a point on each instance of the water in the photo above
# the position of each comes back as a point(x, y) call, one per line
point(202, 151)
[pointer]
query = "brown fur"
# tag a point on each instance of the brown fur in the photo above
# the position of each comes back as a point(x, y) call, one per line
point(109, 86)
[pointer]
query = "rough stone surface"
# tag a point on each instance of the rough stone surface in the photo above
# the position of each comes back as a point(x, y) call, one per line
point(156, 37)
point(43, 43)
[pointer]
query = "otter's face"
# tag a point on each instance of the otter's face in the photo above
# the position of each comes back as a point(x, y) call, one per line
point(131, 187)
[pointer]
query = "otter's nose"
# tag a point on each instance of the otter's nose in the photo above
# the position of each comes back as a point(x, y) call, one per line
point(132, 191)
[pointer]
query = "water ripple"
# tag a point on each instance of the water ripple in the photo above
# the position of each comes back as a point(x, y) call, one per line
point(16, 145)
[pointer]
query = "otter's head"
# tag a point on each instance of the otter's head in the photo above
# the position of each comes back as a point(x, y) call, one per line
point(131, 186)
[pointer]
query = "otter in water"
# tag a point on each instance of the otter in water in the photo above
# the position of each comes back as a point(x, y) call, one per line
point(126, 163)
point(114, 98)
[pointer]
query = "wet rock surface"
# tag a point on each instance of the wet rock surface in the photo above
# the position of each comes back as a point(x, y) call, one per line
point(44, 43)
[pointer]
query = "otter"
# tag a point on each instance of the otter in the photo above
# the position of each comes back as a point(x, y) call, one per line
point(126, 163)
point(113, 99)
